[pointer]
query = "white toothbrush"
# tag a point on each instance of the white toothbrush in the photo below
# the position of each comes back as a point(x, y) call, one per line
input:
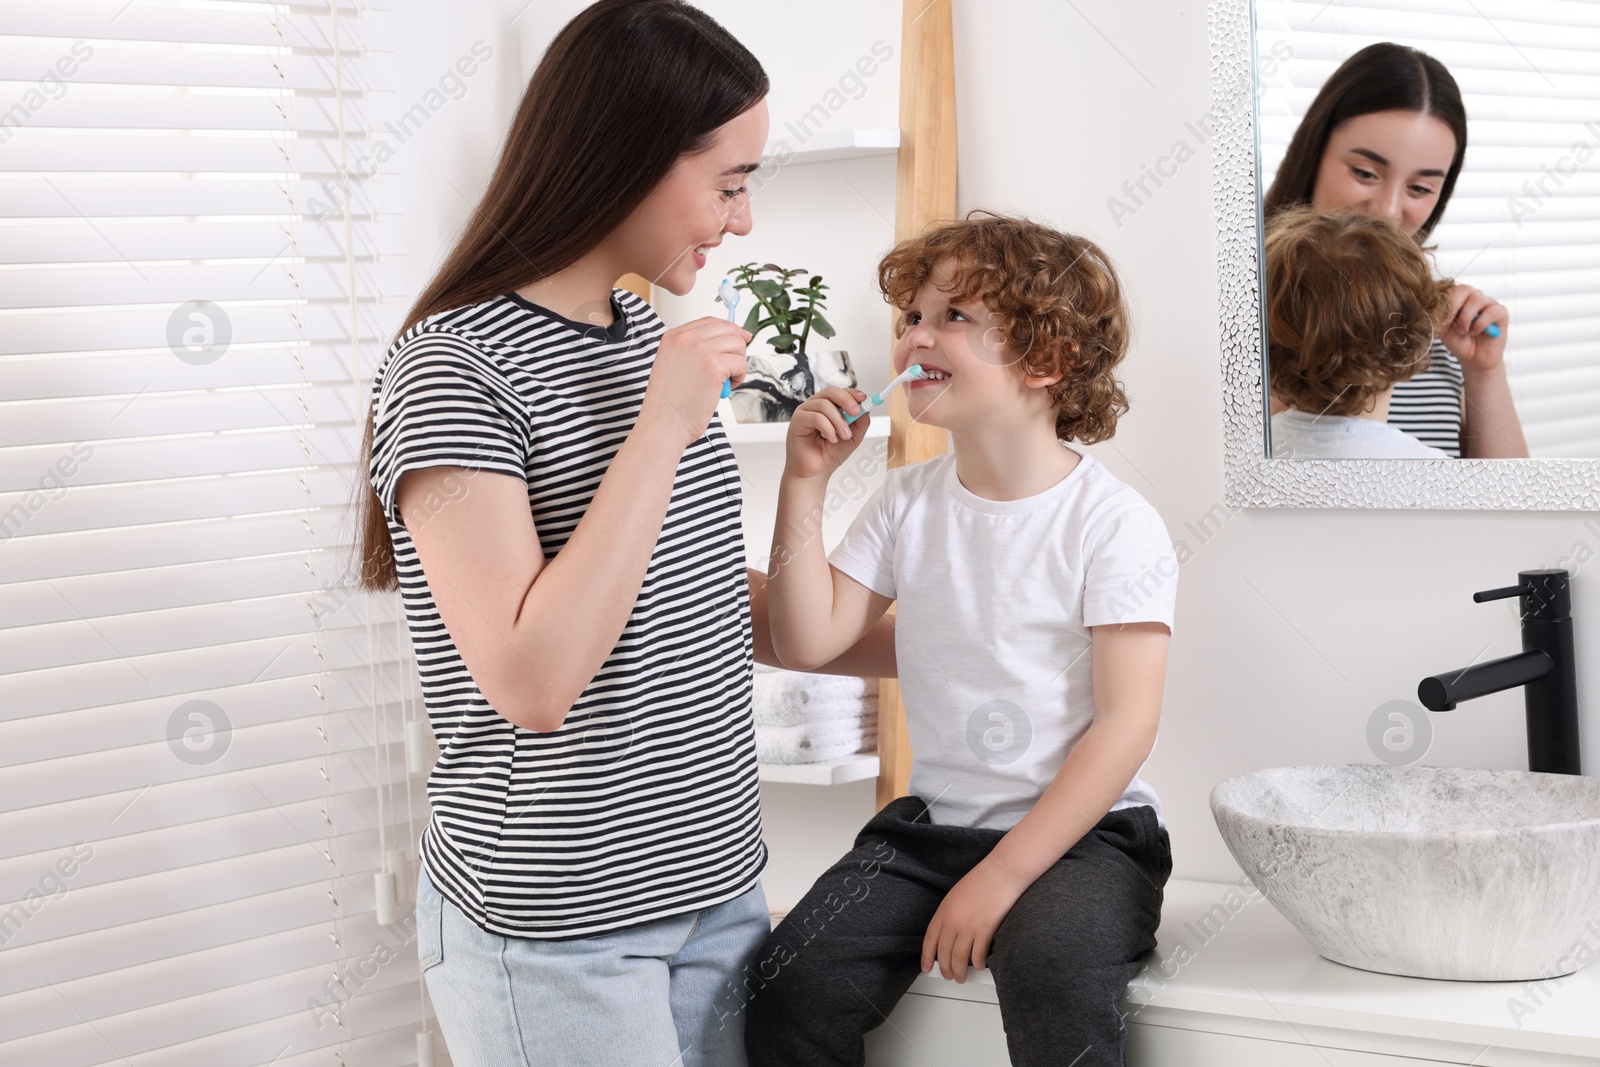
point(729, 296)
point(910, 374)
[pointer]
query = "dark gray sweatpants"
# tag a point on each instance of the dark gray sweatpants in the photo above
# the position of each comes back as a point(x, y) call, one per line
point(841, 959)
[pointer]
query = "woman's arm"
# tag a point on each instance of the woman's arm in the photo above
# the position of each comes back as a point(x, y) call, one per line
point(1490, 427)
point(1129, 671)
point(533, 633)
point(870, 657)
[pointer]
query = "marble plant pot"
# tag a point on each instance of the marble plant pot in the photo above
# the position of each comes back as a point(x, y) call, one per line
point(777, 384)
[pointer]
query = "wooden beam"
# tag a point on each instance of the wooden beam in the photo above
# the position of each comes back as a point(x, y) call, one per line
point(925, 193)
point(636, 285)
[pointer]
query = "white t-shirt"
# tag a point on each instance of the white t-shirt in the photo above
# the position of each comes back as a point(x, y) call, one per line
point(1302, 435)
point(995, 600)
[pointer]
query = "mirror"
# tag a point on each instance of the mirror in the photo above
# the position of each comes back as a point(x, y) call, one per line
point(1408, 200)
point(1360, 107)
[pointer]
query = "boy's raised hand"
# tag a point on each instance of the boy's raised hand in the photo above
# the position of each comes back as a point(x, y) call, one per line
point(819, 438)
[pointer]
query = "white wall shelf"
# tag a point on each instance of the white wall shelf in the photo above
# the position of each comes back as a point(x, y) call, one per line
point(833, 144)
point(775, 432)
point(829, 772)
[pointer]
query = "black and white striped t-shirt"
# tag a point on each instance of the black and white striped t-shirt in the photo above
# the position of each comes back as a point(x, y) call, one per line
point(1428, 406)
point(645, 803)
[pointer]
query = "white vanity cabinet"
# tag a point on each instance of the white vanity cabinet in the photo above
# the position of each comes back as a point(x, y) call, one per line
point(950, 1032)
point(1150, 1045)
point(1235, 985)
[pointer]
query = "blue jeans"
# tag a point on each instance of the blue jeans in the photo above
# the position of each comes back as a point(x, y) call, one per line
point(668, 993)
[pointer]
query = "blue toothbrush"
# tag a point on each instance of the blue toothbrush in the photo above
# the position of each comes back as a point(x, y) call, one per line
point(1490, 330)
point(910, 374)
point(729, 296)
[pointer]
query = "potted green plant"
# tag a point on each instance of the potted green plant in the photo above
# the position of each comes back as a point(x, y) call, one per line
point(775, 291)
point(789, 303)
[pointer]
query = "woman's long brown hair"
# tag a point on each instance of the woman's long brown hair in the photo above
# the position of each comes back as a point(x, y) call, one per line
point(625, 88)
point(1381, 77)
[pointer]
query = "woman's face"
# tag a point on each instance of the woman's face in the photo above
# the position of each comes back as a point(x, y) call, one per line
point(1388, 163)
point(702, 198)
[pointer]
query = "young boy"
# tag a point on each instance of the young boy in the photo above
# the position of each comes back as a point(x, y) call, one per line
point(1034, 597)
point(1352, 308)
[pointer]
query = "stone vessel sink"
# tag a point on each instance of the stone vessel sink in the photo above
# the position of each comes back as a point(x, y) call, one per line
point(1432, 872)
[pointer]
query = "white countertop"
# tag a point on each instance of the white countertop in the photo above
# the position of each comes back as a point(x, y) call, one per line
point(1247, 971)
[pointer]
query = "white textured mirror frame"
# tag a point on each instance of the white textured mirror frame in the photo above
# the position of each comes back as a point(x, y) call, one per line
point(1253, 480)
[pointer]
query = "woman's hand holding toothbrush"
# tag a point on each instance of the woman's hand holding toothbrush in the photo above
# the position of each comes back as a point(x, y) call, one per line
point(819, 437)
point(1475, 331)
point(691, 364)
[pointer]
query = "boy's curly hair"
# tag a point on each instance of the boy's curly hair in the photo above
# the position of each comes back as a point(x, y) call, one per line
point(1058, 299)
point(1352, 308)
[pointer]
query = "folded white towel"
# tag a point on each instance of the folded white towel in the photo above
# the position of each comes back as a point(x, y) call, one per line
point(818, 686)
point(815, 742)
point(789, 698)
point(790, 712)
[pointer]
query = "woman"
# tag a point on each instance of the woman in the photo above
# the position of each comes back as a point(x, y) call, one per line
point(1386, 135)
point(551, 493)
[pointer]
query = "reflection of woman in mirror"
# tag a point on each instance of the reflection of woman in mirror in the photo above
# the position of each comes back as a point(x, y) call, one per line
point(1386, 135)
point(1352, 309)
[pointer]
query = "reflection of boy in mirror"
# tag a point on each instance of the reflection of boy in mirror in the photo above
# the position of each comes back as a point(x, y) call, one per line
point(1352, 307)
point(1386, 135)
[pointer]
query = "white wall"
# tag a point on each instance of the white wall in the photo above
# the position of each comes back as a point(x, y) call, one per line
point(429, 187)
point(1293, 626)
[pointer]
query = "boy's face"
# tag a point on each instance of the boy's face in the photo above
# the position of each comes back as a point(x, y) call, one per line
point(963, 342)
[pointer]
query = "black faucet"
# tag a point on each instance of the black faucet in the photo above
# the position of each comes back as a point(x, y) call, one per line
point(1544, 668)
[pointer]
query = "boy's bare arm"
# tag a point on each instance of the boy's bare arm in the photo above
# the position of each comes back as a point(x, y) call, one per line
point(814, 610)
point(1130, 667)
point(870, 657)
point(1130, 662)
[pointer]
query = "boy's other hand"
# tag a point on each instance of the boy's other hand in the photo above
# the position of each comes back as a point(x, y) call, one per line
point(819, 438)
point(963, 928)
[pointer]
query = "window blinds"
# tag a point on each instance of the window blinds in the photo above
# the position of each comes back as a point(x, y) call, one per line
point(1524, 222)
point(200, 723)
